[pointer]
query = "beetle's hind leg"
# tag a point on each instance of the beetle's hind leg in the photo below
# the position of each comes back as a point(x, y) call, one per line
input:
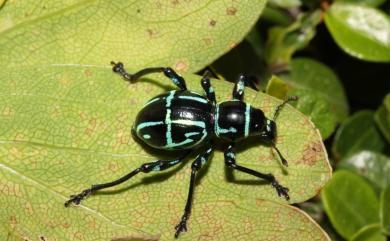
point(158, 165)
point(168, 72)
point(196, 165)
point(230, 161)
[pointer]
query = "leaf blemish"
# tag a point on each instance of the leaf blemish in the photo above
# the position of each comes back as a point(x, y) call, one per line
point(212, 22)
point(181, 65)
point(231, 11)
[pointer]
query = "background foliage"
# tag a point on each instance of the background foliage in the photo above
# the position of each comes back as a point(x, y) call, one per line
point(65, 118)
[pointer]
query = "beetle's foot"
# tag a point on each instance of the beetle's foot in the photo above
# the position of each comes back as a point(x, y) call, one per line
point(76, 199)
point(182, 226)
point(282, 191)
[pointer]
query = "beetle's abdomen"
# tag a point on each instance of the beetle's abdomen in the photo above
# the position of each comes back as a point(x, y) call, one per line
point(174, 120)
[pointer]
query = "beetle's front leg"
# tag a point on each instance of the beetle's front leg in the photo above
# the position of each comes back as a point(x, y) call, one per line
point(196, 165)
point(241, 82)
point(230, 161)
point(168, 72)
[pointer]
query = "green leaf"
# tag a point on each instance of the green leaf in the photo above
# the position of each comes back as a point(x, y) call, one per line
point(65, 127)
point(373, 3)
point(350, 203)
point(186, 35)
point(371, 165)
point(277, 87)
point(370, 232)
point(361, 31)
point(317, 108)
point(285, 3)
point(385, 210)
point(312, 104)
point(357, 133)
point(382, 117)
point(312, 75)
point(283, 42)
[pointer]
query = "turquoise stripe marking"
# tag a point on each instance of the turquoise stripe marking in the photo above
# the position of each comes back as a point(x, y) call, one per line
point(217, 129)
point(147, 124)
point(168, 121)
point(190, 123)
point(172, 144)
point(191, 134)
point(199, 99)
point(151, 101)
point(223, 130)
point(247, 119)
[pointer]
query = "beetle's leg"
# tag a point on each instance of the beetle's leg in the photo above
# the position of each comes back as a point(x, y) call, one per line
point(241, 82)
point(168, 72)
point(158, 165)
point(230, 161)
point(280, 107)
point(196, 165)
point(208, 89)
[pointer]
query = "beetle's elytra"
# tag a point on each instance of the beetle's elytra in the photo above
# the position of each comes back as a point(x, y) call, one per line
point(185, 120)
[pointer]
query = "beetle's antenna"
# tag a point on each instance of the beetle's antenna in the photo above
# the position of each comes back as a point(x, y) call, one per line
point(284, 161)
point(279, 107)
point(119, 68)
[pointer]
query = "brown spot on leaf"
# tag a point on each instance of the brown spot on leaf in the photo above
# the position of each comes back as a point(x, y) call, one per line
point(175, 2)
point(19, 136)
point(7, 111)
point(152, 33)
point(91, 127)
point(140, 237)
point(88, 73)
point(13, 222)
point(181, 65)
point(311, 153)
point(212, 22)
point(231, 11)
point(207, 41)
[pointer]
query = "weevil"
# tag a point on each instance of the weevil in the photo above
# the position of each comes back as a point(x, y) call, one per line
point(186, 120)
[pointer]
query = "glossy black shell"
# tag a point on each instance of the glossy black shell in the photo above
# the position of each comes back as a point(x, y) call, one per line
point(175, 120)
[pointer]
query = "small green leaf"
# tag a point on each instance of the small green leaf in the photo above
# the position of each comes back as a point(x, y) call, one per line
point(312, 75)
point(357, 133)
point(316, 107)
point(186, 35)
point(350, 203)
point(283, 42)
point(373, 3)
point(373, 166)
point(310, 103)
point(370, 232)
point(385, 210)
point(361, 31)
point(382, 117)
point(277, 88)
point(65, 127)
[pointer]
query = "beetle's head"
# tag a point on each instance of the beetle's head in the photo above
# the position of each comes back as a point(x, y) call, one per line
point(268, 132)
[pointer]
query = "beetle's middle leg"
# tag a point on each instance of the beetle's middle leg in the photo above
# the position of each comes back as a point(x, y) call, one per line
point(168, 72)
point(158, 165)
point(230, 161)
point(196, 165)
